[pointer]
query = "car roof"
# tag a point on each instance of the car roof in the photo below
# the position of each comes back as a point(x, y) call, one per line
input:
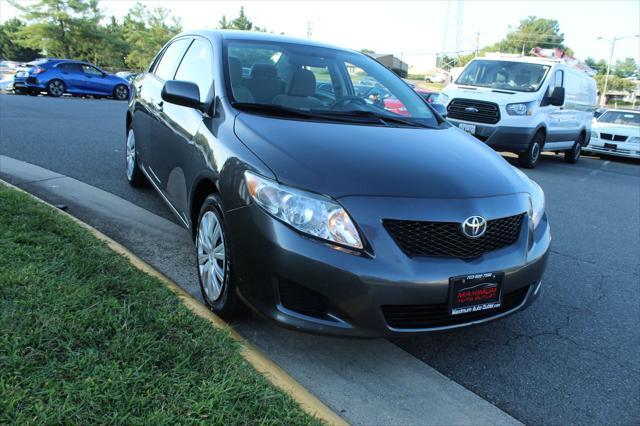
point(219, 35)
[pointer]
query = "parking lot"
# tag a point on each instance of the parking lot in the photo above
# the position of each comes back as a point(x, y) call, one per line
point(572, 357)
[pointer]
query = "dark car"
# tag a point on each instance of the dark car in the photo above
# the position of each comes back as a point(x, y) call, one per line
point(60, 76)
point(337, 217)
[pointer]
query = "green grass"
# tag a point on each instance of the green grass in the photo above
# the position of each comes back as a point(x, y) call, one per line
point(87, 338)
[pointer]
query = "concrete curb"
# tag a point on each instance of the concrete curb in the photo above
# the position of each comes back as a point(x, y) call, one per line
point(278, 377)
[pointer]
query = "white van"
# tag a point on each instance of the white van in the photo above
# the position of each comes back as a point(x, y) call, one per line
point(524, 105)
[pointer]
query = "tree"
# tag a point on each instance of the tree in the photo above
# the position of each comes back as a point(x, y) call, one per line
point(532, 32)
point(59, 27)
point(599, 66)
point(242, 23)
point(626, 68)
point(615, 83)
point(145, 32)
point(9, 46)
point(367, 51)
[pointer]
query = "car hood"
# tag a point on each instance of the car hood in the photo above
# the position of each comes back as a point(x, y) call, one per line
point(344, 159)
point(618, 129)
point(499, 96)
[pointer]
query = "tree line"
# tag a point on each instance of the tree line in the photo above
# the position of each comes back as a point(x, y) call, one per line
point(79, 29)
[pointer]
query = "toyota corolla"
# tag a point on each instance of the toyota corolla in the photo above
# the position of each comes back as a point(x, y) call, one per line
point(322, 209)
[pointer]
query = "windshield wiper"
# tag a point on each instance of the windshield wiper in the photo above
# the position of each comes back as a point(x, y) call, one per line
point(384, 118)
point(362, 117)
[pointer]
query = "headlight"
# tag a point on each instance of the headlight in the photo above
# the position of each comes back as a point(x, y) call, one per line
point(520, 109)
point(537, 203)
point(308, 213)
point(634, 139)
point(443, 99)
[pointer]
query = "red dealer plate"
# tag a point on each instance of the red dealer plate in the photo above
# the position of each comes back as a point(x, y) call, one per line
point(473, 293)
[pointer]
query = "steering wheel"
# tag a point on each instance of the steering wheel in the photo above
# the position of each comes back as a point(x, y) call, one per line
point(347, 99)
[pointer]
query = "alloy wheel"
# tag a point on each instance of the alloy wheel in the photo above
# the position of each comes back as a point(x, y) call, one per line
point(56, 88)
point(131, 154)
point(121, 92)
point(211, 255)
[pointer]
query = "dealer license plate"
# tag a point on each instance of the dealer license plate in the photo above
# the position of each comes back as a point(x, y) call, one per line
point(473, 293)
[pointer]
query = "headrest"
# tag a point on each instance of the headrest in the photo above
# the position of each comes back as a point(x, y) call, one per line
point(264, 70)
point(303, 83)
point(235, 71)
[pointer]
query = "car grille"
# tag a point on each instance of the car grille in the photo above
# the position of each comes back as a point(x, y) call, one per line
point(437, 314)
point(610, 137)
point(487, 112)
point(446, 239)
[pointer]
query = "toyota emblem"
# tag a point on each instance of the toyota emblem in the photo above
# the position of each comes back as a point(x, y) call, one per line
point(474, 226)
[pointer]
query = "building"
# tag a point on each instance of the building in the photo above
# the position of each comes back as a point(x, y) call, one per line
point(391, 62)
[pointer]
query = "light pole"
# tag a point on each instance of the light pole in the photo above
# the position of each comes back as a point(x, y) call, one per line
point(603, 96)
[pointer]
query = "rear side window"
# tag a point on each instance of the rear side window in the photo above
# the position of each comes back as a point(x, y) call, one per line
point(170, 58)
point(197, 67)
point(69, 67)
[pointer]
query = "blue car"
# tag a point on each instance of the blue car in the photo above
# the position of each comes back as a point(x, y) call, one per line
point(60, 76)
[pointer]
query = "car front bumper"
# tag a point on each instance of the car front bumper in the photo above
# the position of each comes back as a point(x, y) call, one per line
point(623, 149)
point(501, 138)
point(308, 285)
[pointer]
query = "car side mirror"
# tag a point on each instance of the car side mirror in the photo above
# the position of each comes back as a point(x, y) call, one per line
point(557, 97)
point(440, 109)
point(185, 93)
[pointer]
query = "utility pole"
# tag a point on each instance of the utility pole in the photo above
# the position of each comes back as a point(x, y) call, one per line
point(603, 96)
point(477, 43)
point(309, 29)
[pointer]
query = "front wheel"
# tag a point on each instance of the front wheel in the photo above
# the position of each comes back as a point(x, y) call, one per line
point(135, 177)
point(213, 258)
point(529, 159)
point(121, 92)
point(573, 155)
point(56, 88)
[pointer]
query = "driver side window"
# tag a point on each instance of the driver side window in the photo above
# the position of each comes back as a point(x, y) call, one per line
point(89, 70)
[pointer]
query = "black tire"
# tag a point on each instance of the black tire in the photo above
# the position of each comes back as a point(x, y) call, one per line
point(573, 155)
point(228, 304)
point(530, 158)
point(121, 92)
point(56, 88)
point(134, 174)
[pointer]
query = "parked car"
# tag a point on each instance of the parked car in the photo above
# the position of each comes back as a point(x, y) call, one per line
point(440, 77)
point(335, 217)
point(428, 95)
point(524, 105)
point(60, 76)
point(127, 75)
point(616, 132)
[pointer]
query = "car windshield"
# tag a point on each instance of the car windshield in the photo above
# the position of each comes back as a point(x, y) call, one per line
point(504, 75)
point(620, 117)
point(319, 82)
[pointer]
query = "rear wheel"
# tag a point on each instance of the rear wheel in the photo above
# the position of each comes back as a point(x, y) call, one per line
point(121, 92)
point(214, 261)
point(56, 88)
point(529, 159)
point(135, 177)
point(573, 155)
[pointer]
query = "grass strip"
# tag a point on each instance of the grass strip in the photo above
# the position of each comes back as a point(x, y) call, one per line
point(85, 337)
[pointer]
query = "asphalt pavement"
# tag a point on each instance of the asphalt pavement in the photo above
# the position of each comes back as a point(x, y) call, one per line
point(572, 357)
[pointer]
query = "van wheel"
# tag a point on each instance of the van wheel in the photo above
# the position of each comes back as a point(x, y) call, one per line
point(214, 261)
point(573, 155)
point(529, 159)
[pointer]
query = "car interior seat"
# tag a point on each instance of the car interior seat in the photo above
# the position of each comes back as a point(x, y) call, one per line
point(264, 83)
point(301, 88)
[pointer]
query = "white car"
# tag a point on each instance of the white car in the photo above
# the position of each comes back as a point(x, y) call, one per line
point(616, 132)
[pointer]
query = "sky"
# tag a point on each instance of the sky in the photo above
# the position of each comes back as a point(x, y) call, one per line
point(413, 28)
